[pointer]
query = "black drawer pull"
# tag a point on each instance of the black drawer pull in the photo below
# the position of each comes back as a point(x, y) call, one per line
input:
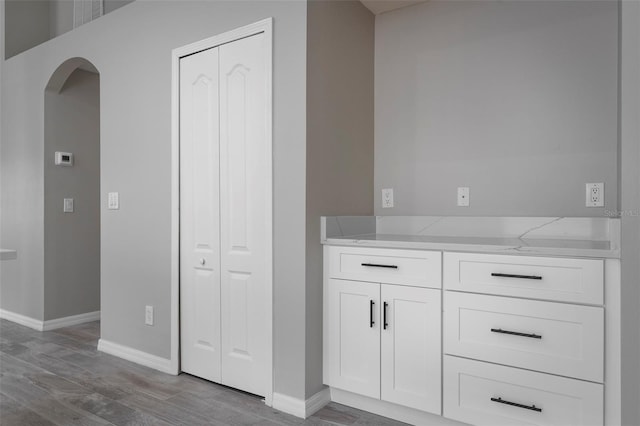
point(376, 265)
point(515, 404)
point(526, 277)
point(371, 322)
point(384, 316)
point(516, 333)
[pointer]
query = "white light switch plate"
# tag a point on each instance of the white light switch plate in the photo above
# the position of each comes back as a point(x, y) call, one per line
point(387, 198)
point(463, 196)
point(68, 205)
point(148, 315)
point(114, 201)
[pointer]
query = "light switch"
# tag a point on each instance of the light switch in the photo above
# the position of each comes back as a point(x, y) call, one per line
point(113, 201)
point(68, 205)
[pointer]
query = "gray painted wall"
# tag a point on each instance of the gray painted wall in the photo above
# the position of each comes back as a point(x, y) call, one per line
point(340, 37)
point(26, 25)
point(135, 103)
point(630, 210)
point(516, 100)
point(60, 17)
point(72, 240)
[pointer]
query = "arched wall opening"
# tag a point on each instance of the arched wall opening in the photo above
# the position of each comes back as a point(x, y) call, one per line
point(72, 238)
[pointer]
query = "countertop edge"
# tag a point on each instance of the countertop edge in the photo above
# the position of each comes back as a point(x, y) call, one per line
point(477, 248)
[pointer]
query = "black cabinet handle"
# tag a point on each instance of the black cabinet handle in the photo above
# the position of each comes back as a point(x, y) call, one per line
point(377, 265)
point(515, 404)
point(384, 316)
point(371, 322)
point(516, 333)
point(526, 277)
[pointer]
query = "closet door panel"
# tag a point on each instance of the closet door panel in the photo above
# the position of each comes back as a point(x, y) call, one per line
point(243, 188)
point(200, 219)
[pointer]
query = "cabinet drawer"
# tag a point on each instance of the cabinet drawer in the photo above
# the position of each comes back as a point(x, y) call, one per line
point(407, 267)
point(568, 280)
point(487, 394)
point(551, 337)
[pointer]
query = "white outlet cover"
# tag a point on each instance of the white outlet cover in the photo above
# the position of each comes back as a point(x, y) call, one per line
point(113, 201)
point(594, 195)
point(463, 196)
point(68, 205)
point(387, 198)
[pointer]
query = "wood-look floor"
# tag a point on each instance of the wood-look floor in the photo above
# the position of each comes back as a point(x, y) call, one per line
point(59, 378)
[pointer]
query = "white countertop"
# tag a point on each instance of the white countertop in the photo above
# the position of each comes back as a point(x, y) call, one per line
point(6, 254)
point(570, 237)
point(547, 247)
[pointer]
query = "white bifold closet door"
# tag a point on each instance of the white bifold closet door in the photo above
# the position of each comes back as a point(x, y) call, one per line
point(223, 172)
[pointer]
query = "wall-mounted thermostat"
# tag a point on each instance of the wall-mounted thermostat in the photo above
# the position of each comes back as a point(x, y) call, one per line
point(64, 159)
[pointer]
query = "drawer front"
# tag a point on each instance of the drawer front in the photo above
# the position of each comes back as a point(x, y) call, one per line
point(560, 279)
point(487, 394)
point(551, 337)
point(407, 267)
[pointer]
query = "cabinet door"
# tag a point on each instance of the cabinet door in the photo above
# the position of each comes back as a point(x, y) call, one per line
point(411, 347)
point(354, 337)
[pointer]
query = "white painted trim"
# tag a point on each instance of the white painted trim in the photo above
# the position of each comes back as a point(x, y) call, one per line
point(265, 26)
point(288, 404)
point(613, 343)
point(317, 402)
point(301, 408)
point(71, 320)
point(134, 355)
point(22, 320)
point(390, 410)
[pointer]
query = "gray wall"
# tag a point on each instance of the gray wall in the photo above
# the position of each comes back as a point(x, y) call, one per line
point(135, 104)
point(515, 99)
point(60, 17)
point(630, 210)
point(26, 25)
point(31, 22)
point(72, 240)
point(340, 37)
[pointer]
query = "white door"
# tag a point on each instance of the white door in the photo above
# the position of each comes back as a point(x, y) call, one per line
point(411, 347)
point(243, 191)
point(224, 185)
point(200, 215)
point(354, 337)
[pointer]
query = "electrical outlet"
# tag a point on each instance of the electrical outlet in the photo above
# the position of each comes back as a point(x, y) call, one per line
point(595, 195)
point(68, 205)
point(113, 201)
point(387, 198)
point(463, 196)
point(148, 315)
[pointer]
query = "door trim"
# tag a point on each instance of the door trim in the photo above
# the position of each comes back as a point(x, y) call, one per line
point(266, 27)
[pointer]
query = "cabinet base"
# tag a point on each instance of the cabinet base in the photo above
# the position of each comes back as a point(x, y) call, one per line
point(392, 411)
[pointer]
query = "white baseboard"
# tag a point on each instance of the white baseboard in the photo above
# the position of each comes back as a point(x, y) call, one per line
point(22, 320)
point(134, 355)
point(72, 320)
point(301, 408)
point(49, 324)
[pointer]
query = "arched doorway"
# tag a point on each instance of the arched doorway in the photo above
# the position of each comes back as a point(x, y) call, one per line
point(72, 195)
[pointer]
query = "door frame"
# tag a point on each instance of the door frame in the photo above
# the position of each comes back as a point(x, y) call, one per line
point(264, 26)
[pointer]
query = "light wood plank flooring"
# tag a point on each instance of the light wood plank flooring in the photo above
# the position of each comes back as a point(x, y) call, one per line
point(59, 378)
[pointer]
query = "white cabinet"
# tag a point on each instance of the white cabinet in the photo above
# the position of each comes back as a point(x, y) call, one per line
point(523, 336)
point(556, 338)
point(410, 347)
point(546, 278)
point(481, 393)
point(354, 342)
point(383, 340)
